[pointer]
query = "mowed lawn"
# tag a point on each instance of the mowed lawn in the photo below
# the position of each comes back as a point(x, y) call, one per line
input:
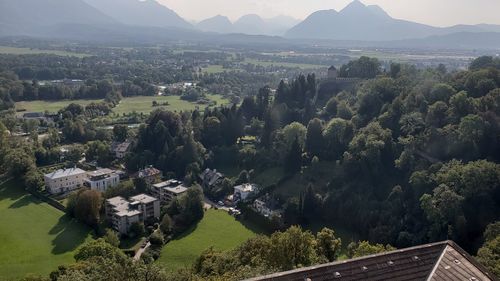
point(217, 229)
point(35, 238)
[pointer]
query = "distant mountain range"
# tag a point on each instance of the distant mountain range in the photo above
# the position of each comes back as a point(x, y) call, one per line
point(249, 24)
point(370, 23)
point(27, 17)
point(140, 13)
point(147, 21)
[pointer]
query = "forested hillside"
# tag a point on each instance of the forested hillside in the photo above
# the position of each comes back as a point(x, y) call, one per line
point(407, 157)
point(398, 158)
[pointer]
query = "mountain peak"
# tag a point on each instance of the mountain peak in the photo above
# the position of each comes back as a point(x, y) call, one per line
point(354, 6)
point(218, 23)
point(250, 17)
point(378, 11)
point(140, 13)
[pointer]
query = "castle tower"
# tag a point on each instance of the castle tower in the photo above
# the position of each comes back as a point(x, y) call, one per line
point(332, 72)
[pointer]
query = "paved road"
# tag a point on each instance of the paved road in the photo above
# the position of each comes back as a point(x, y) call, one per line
point(141, 251)
point(212, 204)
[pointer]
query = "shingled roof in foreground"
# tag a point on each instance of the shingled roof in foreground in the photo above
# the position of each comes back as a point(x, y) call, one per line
point(440, 261)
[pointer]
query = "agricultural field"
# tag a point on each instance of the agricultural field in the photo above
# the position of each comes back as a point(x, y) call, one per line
point(50, 106)
point(213, 69)
point(145, 104)
point(30, 51)
point(217, 229)
point(140, 104)
point(283, 64)
point(36, 237)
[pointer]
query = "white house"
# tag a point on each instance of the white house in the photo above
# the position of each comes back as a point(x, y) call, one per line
point(123, 213)
point(266, 209)
point(64, 180)
point(242, 192)
point(168, 190)
point(102, 179)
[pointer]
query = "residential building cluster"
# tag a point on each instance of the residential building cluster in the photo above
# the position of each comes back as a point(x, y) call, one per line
point(122, 213)
point(168, 190)
point(64, 180)
point(102, 179)
point(67, 180)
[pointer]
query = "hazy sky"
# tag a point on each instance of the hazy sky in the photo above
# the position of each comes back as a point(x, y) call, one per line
point(433, 12)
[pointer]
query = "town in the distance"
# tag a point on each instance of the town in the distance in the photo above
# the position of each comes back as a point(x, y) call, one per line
point(138, 144)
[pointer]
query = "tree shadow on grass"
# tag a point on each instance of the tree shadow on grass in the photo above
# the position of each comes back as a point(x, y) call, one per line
point(70, 235)
point(61, 224)
point(11, 190)
point(254, 227)
point(23, 202)
point(187, 232)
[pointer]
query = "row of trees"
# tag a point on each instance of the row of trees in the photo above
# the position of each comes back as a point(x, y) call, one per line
point(293, 248)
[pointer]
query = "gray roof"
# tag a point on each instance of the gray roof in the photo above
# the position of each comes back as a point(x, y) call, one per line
point(211, 177)
point(177, 190)
point(246, 187)
point(100, 172)
point(443, 261)
point(34, 115)
point(121, 146)
point(143, 198)
point(123, 207)
point(150, 171)
point(62, 173)
point(169, 183)
point(120, 205)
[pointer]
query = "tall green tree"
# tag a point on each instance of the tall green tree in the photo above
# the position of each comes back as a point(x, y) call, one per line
point(88, 206)
point(293, 160)
point(120, 132)
point(328, 245)
point(314, 144)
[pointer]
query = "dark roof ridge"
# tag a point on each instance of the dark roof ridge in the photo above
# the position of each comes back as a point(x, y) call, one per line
point(472, 260)
point(428, 245)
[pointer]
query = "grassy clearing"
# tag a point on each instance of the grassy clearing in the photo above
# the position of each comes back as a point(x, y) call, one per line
point(283, 64)
point(50, 106)
point(36, 238)
point(140, 104)
point(217, 229)
point(29, 51)
point(213, 69)
point(145, 104)
point(270, 176)
point(319, 175)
